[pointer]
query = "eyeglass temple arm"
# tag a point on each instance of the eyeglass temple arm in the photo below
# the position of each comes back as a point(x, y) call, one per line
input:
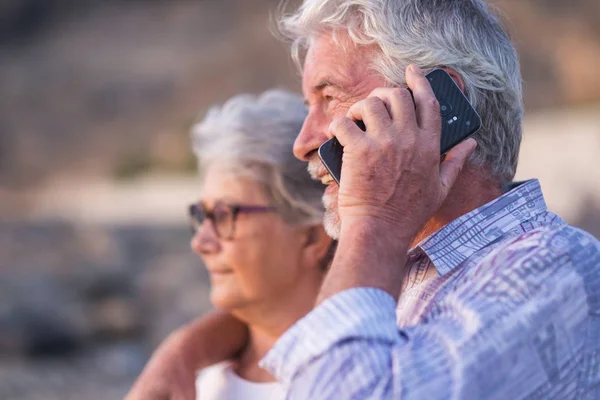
point(253, 209)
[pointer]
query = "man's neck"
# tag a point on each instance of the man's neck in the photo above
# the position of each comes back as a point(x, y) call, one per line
point(472, 189)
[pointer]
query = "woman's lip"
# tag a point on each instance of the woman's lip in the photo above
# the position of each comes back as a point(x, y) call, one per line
point(220, 272)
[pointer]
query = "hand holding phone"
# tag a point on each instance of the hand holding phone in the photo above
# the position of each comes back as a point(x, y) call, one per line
point(459, 121)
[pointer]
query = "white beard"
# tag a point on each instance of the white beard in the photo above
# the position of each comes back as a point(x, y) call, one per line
point(331, 219)
point(331, 223)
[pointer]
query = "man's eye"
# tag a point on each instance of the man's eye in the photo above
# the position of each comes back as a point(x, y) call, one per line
point(328, 98)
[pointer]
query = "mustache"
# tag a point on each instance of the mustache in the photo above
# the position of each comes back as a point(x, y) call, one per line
point(315, 168)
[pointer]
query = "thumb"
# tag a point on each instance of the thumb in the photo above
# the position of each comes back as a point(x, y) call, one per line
point(453, 163)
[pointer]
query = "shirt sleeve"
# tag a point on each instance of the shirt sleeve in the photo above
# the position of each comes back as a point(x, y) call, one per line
point(365, 314)
point(350, 347)
point(341, 349)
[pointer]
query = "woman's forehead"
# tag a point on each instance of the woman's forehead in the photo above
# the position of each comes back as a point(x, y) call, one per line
point(230, 187)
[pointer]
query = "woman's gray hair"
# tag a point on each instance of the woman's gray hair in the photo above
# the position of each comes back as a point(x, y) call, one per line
point(253, 136)
point(463, 35)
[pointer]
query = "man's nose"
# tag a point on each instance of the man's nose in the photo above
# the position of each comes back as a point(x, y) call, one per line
point(312, 135)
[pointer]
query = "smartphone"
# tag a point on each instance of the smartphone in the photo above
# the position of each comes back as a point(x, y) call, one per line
point(459, 121)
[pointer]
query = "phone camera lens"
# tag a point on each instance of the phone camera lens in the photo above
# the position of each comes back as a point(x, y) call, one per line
point(445, 108)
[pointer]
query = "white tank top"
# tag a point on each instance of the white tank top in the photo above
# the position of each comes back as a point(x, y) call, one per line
point(220, 382)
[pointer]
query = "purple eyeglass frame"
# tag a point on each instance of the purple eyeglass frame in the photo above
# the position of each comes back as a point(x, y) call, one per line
point(196, 211)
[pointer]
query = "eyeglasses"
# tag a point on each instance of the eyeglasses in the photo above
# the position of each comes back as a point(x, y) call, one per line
point(222, 216)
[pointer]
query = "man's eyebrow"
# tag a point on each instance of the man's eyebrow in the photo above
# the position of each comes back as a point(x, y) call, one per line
point(327, 82)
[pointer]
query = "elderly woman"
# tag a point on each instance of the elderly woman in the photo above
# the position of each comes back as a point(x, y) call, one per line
point(258, 230)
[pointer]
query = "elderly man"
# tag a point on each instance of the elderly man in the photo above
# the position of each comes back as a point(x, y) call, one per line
point(450, 281)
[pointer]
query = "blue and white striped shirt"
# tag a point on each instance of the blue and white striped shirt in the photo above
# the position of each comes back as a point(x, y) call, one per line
point(502, 303)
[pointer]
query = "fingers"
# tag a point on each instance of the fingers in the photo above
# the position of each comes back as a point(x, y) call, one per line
point(454, 163)
point(394, 115)
point(373, 111)
point(345, 130)
point(399, 103)
point(427, 106)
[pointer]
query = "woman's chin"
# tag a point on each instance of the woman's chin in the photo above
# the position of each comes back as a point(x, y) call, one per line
point(223, 299)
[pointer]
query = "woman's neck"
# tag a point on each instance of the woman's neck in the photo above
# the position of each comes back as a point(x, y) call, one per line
point(259, 344)
point(267, 322)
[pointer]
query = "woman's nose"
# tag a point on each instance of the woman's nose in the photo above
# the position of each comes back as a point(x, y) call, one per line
point(311, 136)
point(205, 240)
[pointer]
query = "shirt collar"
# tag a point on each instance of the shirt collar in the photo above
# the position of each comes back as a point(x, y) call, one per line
point(456, 242)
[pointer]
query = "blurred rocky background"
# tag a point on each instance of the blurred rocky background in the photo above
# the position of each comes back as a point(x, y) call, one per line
point(96, 100)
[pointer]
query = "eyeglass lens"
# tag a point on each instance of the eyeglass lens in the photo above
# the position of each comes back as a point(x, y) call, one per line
point(221, 217)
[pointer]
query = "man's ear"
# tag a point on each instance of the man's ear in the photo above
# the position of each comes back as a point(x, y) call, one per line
point(316, 247)
point(456, 77)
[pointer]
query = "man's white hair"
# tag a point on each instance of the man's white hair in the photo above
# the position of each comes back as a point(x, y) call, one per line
point(463, 35)
point(253, 136)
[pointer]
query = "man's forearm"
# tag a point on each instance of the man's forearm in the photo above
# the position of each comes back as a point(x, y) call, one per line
point(211, 339)
point(170, 373)
point(369, 254)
